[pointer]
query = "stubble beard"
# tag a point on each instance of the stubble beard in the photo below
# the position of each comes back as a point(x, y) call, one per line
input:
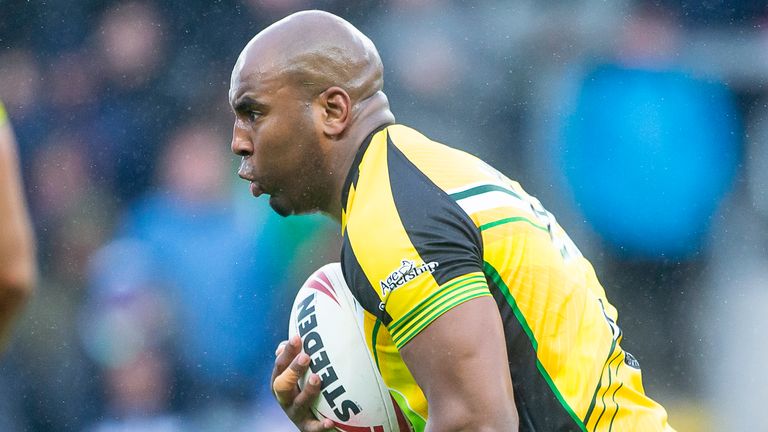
point(315, 195)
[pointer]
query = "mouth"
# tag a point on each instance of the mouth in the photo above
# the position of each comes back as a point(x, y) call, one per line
point(256, 190)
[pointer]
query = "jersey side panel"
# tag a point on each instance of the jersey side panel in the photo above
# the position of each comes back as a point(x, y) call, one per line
point(395, 373)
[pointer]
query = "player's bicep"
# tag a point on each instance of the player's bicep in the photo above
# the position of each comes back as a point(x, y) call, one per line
point(460, 363)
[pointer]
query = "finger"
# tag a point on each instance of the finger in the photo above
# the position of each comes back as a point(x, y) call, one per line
point(290, 350)
point(280, 347)
point(309, 393)
point(285, 385)
point(322, 425)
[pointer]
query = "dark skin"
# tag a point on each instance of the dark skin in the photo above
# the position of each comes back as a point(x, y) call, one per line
point(306, 92)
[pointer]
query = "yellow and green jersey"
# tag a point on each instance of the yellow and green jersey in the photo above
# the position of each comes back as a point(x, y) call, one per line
point(3, 114)
point(427, 227)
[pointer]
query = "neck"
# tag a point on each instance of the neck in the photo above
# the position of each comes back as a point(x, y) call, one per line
point(367, 115)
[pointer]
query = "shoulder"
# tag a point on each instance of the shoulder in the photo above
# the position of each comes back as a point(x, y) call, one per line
point(401, 186)
point(401, 228)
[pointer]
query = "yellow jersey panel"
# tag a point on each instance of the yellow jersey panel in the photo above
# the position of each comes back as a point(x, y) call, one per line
point(427, 227)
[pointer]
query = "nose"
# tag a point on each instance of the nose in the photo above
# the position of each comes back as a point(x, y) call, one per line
point(241, 142)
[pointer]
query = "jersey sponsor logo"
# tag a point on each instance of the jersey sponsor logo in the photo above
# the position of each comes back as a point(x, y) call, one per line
point(407, 271)
point(631, 361)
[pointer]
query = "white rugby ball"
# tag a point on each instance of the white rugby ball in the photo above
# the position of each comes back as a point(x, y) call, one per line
point(330, 323)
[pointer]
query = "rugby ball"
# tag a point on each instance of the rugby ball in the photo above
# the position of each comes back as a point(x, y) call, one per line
point(330, 323)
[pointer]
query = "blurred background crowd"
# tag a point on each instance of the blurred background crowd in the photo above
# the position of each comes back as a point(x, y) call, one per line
point(165, 286)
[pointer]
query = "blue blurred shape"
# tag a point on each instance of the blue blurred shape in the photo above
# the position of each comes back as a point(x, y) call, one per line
point(649, 154)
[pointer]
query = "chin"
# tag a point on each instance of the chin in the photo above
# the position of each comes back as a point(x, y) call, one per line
point(285, 208)
point(280, 207)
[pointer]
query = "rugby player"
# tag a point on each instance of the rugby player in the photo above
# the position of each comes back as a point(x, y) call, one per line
point(483, 314)
point(17, 255)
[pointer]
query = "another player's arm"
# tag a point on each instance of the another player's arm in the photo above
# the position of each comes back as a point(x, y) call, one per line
point(460, 363)
point(17, 251)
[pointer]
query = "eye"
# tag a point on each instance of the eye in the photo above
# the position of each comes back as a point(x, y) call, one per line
point(253, 115)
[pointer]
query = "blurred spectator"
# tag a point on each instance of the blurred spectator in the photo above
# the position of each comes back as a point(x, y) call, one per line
point(445, 76)
point(133, 112)
point(649, 152)
point(139, 390)
point(208, 261)
point(72, 210)
point(125, 328)
point(214, 264)
point(20, 88)
point(669, 145)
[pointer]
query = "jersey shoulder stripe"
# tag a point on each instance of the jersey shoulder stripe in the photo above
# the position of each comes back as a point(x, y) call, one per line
point(449, 295)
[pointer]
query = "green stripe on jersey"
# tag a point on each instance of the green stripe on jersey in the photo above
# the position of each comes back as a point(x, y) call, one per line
point(427, 309)
point(599, 382)
point(439, 309)
point(477, 190)
point(610, 426)
point(488, 225)
point(418, 423)
point(374, 338)
point(610, 382)
point(474, 277)
point(496, 278)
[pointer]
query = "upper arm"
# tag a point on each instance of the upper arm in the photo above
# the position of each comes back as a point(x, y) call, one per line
point(460, 363)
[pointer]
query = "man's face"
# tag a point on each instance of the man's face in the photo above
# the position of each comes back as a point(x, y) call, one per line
point(274, 134)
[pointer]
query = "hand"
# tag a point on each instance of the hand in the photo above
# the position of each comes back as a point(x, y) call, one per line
point(290, 365)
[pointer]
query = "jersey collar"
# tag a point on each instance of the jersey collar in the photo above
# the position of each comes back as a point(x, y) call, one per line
point(354, 170)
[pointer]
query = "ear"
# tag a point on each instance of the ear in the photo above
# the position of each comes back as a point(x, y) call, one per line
point(336, 106)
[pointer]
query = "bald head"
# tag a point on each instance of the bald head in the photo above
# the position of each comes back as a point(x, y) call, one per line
point(305, 92)
point(314, 50)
